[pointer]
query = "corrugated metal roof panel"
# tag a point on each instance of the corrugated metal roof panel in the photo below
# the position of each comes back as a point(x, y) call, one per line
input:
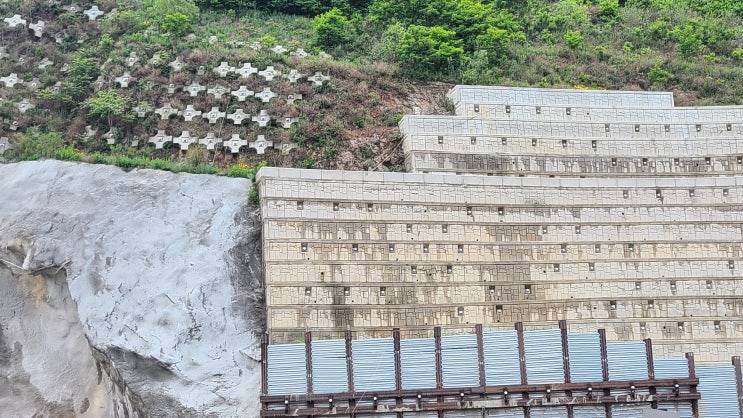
point(287, 372)
point(585, 358)
point(501, 358)
point(543, 350)
point(373, 364)
point(459, 362)
point(719, 394)
point(329, 373)
point(418, 363)
point(627, 361)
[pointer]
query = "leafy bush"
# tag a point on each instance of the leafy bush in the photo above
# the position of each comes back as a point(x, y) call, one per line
point(659, 76)
point(609, 10)
point(35, 145)
point(68, 153)
point(107, 104)
point(332, 28)
point(435, 49)
point(738, 53)
point(574, 39)
point(176, 23)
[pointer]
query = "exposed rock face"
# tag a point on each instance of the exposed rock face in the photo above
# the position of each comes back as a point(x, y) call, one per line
point(127, 294)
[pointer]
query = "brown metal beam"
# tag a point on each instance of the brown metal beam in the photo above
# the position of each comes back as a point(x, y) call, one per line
point(489, 390)
point(264, 365)
point(437, 342)
point(308, 359)
point(563, 325)
point(480, 354)
point(349, 360)
point(482, 404)
point(605, 368)
point(651, 367)
point(693, 388)
point(739, 384)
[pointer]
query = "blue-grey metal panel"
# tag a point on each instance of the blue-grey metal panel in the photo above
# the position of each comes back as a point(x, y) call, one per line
point(549, 412)
point(627, 361)
point(628, 411)
point(501, 350)
point(459, 364)
point(287, 372)
point(329, 373)
point(373, 364)
point(683, 409)
point(506, 413)
point(589, 411)
point(671, 368)
point(418, 363)
point(719, 395)
point(420, 415)
point(585, 358)
point(543, 349)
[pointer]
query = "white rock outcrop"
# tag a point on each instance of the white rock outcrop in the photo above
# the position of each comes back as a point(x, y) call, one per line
point(127, 294)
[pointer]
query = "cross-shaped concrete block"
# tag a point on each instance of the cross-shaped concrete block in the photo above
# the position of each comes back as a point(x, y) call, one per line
point(156, 60)
point(210, 141)
point(235, 143)
point(4, 145)
point(266, 95)
point(290, 99)
point(269, 73)
point(318, 78)
point(34, 84)
point(166, 111)
point(246, 70)
point(242, 93)
point(159, 139)
point(213, 115)
point(300, 53)
point(262, 118)
point(287, 122)
point(238, 117)
point(177, 64)
point(45, 62)
point(184, 140)
point(172, 88)
point(15, 20)
point(201, 70)
point(93, 13)
point(142, 109)
point(110, 136)
point(256, 46)
point(223, 69)
point(90, 132)
point(278, 49)
point(189, 113)
point(261, 144)
point(38, 28)
point(125, 79)
point(25, 105)
point(194, 88)
point(293, 76)
point(135, 141)
point(286, 147)
point(212, 40)
point(73, 8)
point(11, 80)
point(217, 91)
point(132, 59)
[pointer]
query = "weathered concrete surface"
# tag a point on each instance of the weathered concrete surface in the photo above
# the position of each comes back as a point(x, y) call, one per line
point(137, 291)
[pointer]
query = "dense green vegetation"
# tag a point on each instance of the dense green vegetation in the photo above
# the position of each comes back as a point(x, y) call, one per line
point(383, 51)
